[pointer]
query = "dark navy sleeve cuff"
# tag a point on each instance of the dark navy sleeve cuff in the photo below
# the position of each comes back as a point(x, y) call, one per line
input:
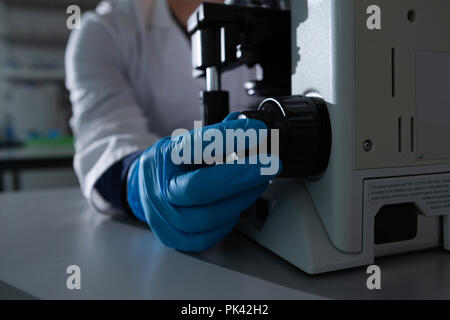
point(112, 184)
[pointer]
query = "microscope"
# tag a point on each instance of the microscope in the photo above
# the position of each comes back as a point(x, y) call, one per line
point(359, 90)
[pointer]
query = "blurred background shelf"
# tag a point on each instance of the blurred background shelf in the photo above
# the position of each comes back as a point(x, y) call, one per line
point(10, 155)
point(34, 74)
point(36, 168)
point(84, 4)
point(33, 41)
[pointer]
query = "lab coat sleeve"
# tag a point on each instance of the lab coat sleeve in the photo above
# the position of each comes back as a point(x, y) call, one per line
point(107, 122)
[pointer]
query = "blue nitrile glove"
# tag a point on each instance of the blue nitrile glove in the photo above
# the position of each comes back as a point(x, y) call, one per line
point(190, 207)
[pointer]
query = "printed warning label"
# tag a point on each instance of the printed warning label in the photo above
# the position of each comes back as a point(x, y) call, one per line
point(430, 192)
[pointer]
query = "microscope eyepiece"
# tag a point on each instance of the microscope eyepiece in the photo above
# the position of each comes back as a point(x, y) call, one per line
point(304, 131)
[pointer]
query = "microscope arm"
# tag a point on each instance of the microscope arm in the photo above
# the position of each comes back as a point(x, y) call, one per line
point(224, 37)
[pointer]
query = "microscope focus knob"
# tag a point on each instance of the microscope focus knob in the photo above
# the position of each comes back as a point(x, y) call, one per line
point(304, 132)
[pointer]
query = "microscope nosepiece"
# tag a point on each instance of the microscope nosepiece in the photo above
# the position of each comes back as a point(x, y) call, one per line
point(304, 132)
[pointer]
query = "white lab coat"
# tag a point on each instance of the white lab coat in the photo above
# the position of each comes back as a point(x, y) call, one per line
point(129, 73)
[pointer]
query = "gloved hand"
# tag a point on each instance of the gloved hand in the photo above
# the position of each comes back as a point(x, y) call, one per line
point(191, 208)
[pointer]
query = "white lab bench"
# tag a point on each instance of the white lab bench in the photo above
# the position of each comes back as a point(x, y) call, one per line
point(42, 233)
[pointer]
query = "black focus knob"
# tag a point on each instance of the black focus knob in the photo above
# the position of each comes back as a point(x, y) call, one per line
point(304, 133)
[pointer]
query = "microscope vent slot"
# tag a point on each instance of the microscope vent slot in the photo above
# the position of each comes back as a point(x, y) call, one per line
point(400, 135)
point(393, 72)
point(395, 223)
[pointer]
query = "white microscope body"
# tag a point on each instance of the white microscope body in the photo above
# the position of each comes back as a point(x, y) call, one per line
point(383, 67)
